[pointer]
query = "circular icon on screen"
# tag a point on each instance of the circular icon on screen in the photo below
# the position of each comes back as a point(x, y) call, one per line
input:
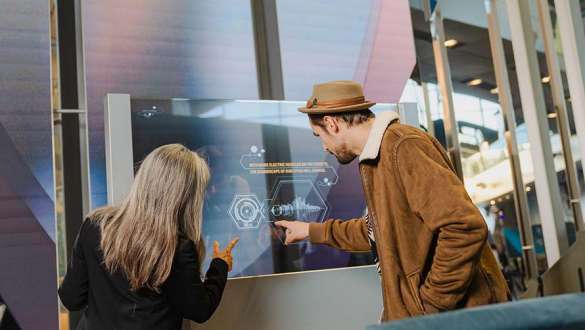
point(246, 211)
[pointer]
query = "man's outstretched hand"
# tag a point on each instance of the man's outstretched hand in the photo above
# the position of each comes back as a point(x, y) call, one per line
point(295, 230)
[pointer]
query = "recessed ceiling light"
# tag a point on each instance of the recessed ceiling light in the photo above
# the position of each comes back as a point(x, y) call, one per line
point(552, 115)
point(474, 82)
point(528, 188)
point(494, 90)
point(451, 43)
point(546, 79)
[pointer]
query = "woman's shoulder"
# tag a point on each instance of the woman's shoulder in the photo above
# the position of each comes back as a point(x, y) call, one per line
point(186, 253)
point(89, 233)
point(101, 214)
point(185, 247)
point(91, 227)
point(96, 218)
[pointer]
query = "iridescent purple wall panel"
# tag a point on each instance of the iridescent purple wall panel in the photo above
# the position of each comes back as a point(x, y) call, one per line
point(176, 48)
point(28, 279)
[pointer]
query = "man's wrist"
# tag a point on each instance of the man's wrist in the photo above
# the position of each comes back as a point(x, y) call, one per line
point(316, 232)
point(429, 308)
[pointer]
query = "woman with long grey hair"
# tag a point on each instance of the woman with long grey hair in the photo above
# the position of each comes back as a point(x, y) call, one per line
point(137, 265)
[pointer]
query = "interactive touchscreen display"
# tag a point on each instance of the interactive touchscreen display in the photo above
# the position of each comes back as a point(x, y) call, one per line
point(266, 165)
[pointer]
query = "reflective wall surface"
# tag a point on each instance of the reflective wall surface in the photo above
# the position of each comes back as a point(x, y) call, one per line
point(206, 50)
point(28, 283)
point(369, 41)
point(173, 48)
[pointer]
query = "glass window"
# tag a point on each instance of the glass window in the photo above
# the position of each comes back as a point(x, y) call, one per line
point(480, 121)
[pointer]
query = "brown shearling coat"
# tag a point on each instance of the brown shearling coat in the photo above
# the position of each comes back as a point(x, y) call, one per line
point(430, 237)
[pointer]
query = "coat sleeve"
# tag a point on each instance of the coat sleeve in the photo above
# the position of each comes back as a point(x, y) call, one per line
point(197, 300)
point(437, 196)
point(350, 235)
point(74, 289)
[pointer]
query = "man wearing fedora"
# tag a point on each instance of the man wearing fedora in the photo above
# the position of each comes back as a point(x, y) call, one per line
point(426, 233)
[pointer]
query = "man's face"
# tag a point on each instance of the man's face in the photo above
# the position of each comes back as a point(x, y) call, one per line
point(333, 142)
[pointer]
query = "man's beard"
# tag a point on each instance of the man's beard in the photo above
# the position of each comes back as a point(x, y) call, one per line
point(344, 158)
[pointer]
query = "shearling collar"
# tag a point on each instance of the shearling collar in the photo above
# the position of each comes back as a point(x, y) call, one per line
point(381, 122)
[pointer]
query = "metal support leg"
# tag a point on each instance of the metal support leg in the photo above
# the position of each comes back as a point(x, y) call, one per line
point(573, 45)
point(506, 104)
point(446, 87)
point(558, 93)
point(430, 124)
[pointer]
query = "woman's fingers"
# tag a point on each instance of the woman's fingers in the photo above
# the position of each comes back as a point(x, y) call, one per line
point(215, 247)
point(232, 244)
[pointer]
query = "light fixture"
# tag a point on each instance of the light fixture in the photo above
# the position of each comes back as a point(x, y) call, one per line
point(492, 202)
point(494, 90)
point(552, 115)
point(474, 82)
point(451, 43)
point(528, 189)
point(481, 185)
point(546, 80)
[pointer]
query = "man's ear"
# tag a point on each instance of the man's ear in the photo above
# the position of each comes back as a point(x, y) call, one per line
point(330, 124)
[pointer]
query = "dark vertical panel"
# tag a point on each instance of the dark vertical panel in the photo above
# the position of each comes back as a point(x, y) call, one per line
point(70, 122)
point(72, 185)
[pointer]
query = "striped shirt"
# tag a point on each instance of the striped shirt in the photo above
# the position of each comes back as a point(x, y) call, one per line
point(372, 239)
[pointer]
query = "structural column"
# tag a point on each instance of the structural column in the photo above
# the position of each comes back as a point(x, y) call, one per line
point(446, 88)
point(267, 45)
point(507, 106)
point(558, 94)
point(573, 45)
point(533, 106)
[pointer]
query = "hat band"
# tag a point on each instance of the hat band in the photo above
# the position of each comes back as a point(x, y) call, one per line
point(335, 103)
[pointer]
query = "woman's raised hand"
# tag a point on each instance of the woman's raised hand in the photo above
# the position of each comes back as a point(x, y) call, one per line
point(225, 255)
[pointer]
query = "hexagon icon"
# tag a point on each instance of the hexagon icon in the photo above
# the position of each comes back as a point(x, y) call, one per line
point(246, 211)
point(296, 199)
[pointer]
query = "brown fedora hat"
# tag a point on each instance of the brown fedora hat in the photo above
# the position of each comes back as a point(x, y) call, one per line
point(336, 97)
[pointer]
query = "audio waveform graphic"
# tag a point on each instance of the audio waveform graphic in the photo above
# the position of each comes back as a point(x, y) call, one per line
point(299, 208)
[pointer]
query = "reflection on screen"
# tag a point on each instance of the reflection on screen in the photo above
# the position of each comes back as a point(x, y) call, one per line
point(266, 165)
